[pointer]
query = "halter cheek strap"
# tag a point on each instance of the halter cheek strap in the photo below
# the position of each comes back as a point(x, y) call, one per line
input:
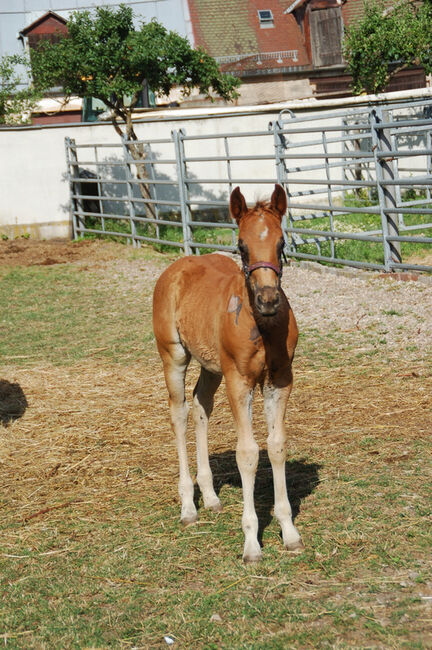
point(261, 265)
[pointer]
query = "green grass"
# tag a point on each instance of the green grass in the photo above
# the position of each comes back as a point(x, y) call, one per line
point(371, 253)
point(174, 233)
point(131, 575)
point(60, 315)
point(92, 554)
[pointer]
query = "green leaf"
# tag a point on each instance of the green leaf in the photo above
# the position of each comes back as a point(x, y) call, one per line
point(17, 96)
point(386, 39)
point(105, 56)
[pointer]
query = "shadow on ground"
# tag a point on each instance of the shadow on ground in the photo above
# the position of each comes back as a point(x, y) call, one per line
point(13, 402)
point(302, 479)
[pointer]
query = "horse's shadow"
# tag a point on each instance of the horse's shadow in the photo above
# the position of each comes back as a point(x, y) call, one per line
point(302, 479)
point(13, 402)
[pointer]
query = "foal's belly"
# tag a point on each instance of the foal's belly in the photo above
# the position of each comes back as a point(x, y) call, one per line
point(206, 359)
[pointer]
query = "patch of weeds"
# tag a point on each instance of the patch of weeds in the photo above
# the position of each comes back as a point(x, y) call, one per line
point(367, 353)
point(391, 312)
point(368, 442)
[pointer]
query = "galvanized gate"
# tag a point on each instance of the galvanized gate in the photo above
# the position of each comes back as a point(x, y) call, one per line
point(362, 176)
point(358, 184)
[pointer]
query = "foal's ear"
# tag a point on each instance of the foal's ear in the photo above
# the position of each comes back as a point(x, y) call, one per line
point(238, 205)
point(279, 200)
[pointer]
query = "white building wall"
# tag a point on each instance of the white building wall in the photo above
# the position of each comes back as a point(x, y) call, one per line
point(34, 189)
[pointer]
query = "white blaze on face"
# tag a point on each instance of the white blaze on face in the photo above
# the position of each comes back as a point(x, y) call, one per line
point(263, 234)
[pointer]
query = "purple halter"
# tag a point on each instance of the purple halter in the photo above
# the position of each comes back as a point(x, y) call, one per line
point(247, 270)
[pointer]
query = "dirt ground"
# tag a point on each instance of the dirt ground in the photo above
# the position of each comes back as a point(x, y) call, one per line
point(78, 436)
point(29, 252)
point(364, 311)
point(360, 307)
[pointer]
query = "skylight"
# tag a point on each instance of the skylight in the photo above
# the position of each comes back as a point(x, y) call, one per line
point(265, 18)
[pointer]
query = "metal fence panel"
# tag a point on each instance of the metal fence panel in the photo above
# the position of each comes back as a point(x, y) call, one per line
point(358, 183)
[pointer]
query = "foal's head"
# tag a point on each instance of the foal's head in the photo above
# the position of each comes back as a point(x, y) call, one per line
point(261, 245)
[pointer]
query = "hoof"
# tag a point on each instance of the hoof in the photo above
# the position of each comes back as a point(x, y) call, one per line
point(252, 558)
point(296, 547)
point(216, 507)
point(191, 519)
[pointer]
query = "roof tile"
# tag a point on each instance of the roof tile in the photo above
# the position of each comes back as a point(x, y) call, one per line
point(232, 27)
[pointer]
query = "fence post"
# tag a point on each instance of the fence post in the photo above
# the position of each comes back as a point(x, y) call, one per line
point(234, 234)
point(153, 186)
point(329, 192)
point(427, 114)
point(76, 206)
point(129, 186)
point(99, 186)
point(183, 190)
point(381, 143)
point(281, 145)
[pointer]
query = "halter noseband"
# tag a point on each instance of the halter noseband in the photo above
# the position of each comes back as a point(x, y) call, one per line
point(247, 270)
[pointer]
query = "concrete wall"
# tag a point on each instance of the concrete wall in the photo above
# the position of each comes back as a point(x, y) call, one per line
point(274, 91)
point(34, 189)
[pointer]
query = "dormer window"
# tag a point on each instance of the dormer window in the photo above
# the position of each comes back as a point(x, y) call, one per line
point(265, 18)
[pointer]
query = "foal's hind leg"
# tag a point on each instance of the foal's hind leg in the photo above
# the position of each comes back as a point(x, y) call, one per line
point(175, 361)
point(207, 385)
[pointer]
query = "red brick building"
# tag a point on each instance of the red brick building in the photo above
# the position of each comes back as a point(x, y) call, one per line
point(283, 49)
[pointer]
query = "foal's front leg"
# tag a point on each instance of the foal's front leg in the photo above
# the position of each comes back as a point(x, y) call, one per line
point(275, 401)
point(247, 454)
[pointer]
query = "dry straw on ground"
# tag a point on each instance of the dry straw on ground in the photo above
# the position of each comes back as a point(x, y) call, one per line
point(92, 433)
point(92, 428)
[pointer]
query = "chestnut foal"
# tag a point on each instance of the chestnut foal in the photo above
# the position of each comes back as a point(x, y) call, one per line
point(236, 324)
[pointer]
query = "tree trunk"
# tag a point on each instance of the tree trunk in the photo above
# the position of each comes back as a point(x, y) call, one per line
point(138, 154)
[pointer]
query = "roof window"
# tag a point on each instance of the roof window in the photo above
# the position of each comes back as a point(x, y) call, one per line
point(265, 18)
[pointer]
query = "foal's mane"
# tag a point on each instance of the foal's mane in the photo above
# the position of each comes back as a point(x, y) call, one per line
point(263, 205)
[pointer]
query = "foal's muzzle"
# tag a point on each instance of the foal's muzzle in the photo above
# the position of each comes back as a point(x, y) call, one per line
point(267, 300)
